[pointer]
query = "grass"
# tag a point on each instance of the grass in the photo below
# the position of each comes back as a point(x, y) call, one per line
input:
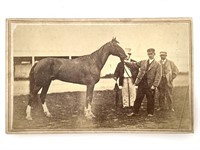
point(67, 108)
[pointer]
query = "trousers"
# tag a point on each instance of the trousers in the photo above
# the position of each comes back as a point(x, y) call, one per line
point(128, 92)
point(165, 95)
point(144, 89)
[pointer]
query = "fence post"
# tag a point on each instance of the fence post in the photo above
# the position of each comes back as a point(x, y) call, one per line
point(33, 60)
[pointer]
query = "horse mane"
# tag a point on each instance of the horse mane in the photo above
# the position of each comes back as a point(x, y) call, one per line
point(89, 56)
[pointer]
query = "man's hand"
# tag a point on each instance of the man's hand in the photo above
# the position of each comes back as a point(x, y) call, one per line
point(136, 86)
point(153, 87)
point(115, 78)
point(173, 76)
point(126, 61)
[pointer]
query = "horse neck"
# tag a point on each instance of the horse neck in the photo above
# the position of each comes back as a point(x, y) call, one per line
point(101, 56)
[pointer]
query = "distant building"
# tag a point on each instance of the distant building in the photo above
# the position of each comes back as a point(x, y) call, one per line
point(23, 64)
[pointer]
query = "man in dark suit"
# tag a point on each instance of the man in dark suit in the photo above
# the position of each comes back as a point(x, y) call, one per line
point(147, 80)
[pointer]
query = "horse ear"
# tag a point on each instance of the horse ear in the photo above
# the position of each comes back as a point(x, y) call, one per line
point(114, 40)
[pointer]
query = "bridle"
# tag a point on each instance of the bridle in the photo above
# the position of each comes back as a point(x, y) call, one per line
point(114, 48)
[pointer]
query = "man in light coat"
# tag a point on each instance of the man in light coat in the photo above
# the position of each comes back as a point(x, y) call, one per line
point(169, 73)
point(127, 75)
point(147, 80)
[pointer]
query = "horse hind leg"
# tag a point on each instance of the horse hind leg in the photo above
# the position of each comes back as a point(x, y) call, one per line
point(42, 97)
point(32, 97)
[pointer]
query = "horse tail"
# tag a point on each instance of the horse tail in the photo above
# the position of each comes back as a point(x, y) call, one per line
point(31, 79)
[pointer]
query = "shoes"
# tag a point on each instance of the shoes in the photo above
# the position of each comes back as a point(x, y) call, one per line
point(136, 114)
point(159, 109)
point(150, 115)
point(172, 109)
point(132, 114)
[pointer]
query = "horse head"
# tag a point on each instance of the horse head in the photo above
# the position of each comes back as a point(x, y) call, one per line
point(116, 50)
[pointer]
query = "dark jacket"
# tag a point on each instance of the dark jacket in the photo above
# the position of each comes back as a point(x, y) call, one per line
point(119, 72)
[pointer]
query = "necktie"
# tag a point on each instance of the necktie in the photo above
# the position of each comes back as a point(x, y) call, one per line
point(148, 64)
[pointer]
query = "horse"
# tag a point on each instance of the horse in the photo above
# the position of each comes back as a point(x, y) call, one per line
point(83, 70)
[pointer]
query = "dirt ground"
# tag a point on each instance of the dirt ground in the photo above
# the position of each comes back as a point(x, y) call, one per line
point(67, 108)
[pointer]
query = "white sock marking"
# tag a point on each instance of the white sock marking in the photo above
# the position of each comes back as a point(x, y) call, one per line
point(28, 113)
point(88, 112)
point(44, 106)
point(28, 110)
point(46, 111)
point(89, 108)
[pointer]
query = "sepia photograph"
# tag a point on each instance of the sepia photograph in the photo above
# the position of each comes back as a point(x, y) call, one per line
point(99, 75)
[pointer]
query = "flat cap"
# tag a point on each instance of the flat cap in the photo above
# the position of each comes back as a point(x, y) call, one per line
point(163, 53)
point(151, 50)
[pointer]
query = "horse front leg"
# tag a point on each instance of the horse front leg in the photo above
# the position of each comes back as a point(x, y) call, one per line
point(88, 107)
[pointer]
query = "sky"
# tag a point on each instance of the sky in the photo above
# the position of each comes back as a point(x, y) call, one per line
point(76, 39)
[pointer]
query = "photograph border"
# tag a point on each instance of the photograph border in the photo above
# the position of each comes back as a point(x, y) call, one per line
point(9, 75)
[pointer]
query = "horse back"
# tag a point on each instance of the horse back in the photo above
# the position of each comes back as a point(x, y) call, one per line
point(76, 71)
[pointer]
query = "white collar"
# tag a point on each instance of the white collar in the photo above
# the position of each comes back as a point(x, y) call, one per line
point(163, 61)
point(150, 61)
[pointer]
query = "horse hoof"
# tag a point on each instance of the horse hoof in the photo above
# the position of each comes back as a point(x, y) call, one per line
point(88, 117)
point(48, 114)
point(29, 118)
point(92, 115)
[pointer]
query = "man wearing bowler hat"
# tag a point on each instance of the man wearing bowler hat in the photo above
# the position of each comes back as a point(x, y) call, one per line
point(147, 80)
point(169, 73)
